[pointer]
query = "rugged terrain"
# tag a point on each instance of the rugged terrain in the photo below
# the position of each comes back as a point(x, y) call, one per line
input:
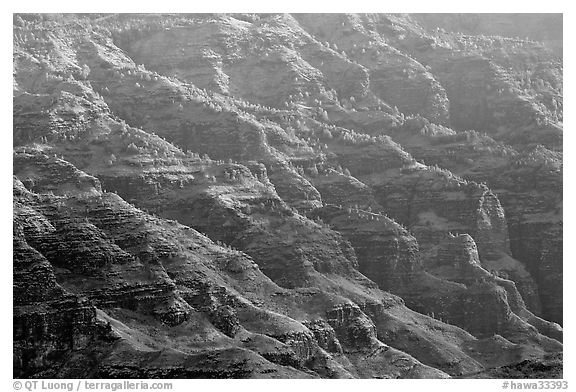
point(286, 196)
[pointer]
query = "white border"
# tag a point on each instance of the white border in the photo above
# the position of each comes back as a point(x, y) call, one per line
point(484, 6)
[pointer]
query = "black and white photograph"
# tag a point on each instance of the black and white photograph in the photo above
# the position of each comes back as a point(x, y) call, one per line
point(321, 195)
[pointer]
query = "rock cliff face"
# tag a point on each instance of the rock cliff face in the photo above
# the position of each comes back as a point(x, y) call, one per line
point(283, 196)
point(533, 208)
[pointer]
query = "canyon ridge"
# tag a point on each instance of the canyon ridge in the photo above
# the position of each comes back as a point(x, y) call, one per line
point(287, 195)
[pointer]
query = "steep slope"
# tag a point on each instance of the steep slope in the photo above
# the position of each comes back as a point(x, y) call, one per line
point(251, 197)
point(507, 87)
point(545, 28)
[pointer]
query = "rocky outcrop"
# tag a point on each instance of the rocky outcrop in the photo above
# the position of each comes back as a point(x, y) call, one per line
point(489, 303)
point(451, 285)
point(140, 282)
point(432, 203)
point(386, 252)
point(49, 321)
point(235, 209)
point(390, 256)
point(528, 185)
